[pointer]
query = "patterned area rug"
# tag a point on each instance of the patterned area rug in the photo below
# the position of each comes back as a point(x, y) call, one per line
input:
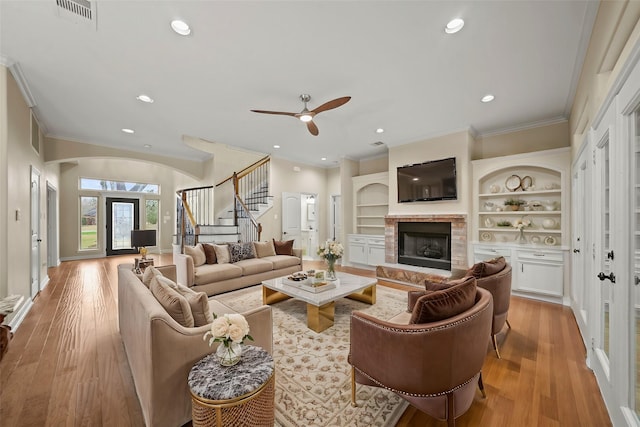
point(313, 378)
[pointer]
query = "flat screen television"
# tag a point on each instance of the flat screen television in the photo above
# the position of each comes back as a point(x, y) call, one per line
point(428, 181)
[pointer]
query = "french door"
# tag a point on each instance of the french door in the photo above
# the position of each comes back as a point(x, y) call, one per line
point(123, 215)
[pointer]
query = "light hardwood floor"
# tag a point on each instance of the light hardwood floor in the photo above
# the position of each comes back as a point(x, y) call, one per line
point(66, 364)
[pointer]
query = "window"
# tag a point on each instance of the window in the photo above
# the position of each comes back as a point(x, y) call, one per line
point(106, 185)
point(152, 208)
point(88, 222)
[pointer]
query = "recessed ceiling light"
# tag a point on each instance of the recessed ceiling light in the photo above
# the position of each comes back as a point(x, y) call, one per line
point(488, 98)
point(324, 158)
point(416, 179)
point(145, 98)
point(454, 26)
point(147, 145)
point(127, 130)
point(379, 130)
point(180, 27)
point(276, 146)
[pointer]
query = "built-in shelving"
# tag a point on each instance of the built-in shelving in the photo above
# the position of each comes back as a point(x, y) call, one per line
point(371, 202)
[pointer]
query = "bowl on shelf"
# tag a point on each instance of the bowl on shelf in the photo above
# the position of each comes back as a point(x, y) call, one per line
point(549, 223)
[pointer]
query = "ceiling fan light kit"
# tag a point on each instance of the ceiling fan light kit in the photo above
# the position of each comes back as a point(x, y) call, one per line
point(305, 115)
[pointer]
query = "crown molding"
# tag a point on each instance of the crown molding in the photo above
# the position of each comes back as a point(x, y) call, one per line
point(525, 126)
point(21, 81)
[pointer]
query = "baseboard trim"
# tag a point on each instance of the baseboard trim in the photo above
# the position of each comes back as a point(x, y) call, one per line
point(44, 282)
point(81, 257)
point(21, 314)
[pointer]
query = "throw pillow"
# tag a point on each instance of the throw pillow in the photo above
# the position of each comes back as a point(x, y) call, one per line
point(283, 248)
point(222, 253)
point(430, 285)
point(149, 273)
point(175, 304)
point(197, 254)
point(209, 253)
point(240, 251)
point(199, 305)
point(264, 249)
point(440, 305)
point(487, 268)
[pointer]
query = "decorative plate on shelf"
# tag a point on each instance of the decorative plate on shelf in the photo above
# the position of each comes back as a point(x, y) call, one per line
point(550, 240)
point(513, 183)
point(486, 236)
point(526, 183)
point(535, 239)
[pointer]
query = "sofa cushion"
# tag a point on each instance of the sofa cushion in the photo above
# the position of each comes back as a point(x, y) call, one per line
point(222, 253)
point(254, 266)
point(438, 285)
point(282, 261)
point(175, 304)
point(440, 305)
point(209, 253)
point(196, 253)
point(283, 248)
point(149, 273)
point(199, 304)
point(487, 268)
point(241, 251)
point(210, 273)
point(264, 249)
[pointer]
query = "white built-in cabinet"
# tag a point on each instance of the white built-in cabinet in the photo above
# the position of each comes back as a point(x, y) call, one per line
point(370, 205)
point(539, 256)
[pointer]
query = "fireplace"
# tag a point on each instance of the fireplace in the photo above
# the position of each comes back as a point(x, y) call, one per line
point(457, 240)
point(425, 244)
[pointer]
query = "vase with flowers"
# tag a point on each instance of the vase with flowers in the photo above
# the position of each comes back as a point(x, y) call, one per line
point(230, 330)
point(520, 225)
point(331, 251)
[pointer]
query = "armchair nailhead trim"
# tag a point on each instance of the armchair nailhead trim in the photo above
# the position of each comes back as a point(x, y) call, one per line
point(414, 394)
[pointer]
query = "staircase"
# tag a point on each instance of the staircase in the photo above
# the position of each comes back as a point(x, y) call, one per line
point(249, 199)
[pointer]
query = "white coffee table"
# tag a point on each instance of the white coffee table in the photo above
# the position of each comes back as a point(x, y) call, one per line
point(321, 305)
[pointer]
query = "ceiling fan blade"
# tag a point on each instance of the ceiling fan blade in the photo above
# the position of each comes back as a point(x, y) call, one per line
point(312, 128)
point(331, 104)
point(281, 113)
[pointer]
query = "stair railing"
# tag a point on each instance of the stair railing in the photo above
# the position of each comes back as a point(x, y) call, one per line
point(250, 190)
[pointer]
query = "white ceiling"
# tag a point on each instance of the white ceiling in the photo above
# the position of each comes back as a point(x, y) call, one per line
point(393, 58)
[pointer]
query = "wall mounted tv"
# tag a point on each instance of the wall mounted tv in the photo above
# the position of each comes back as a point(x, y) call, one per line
point(428, 181)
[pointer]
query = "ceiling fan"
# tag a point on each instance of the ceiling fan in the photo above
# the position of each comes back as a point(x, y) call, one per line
point(307, 116)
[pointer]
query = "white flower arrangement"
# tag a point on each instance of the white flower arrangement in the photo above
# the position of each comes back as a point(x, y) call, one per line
point(331, 250)
point(228, 328)
point(521, 224)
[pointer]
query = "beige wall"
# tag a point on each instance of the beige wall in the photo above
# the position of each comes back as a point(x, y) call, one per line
point(458, 145)
point(284, 178)
point(374, 165)
point(615, 32)
point(539, 138)
point(16, 191)
point(120, 170)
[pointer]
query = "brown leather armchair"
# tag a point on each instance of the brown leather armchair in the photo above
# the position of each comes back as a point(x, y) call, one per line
point(493, 275)
point(434, 366)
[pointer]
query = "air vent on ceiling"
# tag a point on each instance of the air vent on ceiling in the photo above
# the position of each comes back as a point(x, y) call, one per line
point(78, 11)
point(377, 143)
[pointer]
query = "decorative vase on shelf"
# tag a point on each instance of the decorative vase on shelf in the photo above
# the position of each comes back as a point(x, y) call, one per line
point(229, 355)
point(331, 269)
point(521, 239)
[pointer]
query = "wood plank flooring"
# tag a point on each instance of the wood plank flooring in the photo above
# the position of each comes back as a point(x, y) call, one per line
point(66, 364)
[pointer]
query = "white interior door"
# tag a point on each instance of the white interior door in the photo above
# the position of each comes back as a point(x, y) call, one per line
point(336, 217)
point(35, 232)
point(291, 218)
point(52, 226)
point(581, 225)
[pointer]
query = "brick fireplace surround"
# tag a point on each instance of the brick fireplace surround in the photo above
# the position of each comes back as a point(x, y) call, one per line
point(458, 237)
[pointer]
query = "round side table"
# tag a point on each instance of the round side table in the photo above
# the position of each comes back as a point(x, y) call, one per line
point(239, 395)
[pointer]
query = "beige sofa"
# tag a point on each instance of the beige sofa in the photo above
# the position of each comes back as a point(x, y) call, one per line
point(161, 351)
point(219, 277)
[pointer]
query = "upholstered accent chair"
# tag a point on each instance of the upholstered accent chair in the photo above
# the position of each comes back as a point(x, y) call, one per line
point(493, 275)
point(428, 356)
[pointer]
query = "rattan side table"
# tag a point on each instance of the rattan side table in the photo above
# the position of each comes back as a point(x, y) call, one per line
point(239, 395)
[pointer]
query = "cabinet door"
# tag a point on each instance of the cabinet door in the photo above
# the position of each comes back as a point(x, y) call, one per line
point(375, 255)
point(357, 253)
point(538, 277)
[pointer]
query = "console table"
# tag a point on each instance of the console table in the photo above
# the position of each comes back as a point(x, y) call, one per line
point(239, 395)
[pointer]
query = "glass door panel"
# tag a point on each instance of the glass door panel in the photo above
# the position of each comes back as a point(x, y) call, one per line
point(605, 285)
point(122, 217)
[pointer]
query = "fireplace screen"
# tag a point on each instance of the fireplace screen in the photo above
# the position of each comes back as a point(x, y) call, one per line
point(426, 244)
